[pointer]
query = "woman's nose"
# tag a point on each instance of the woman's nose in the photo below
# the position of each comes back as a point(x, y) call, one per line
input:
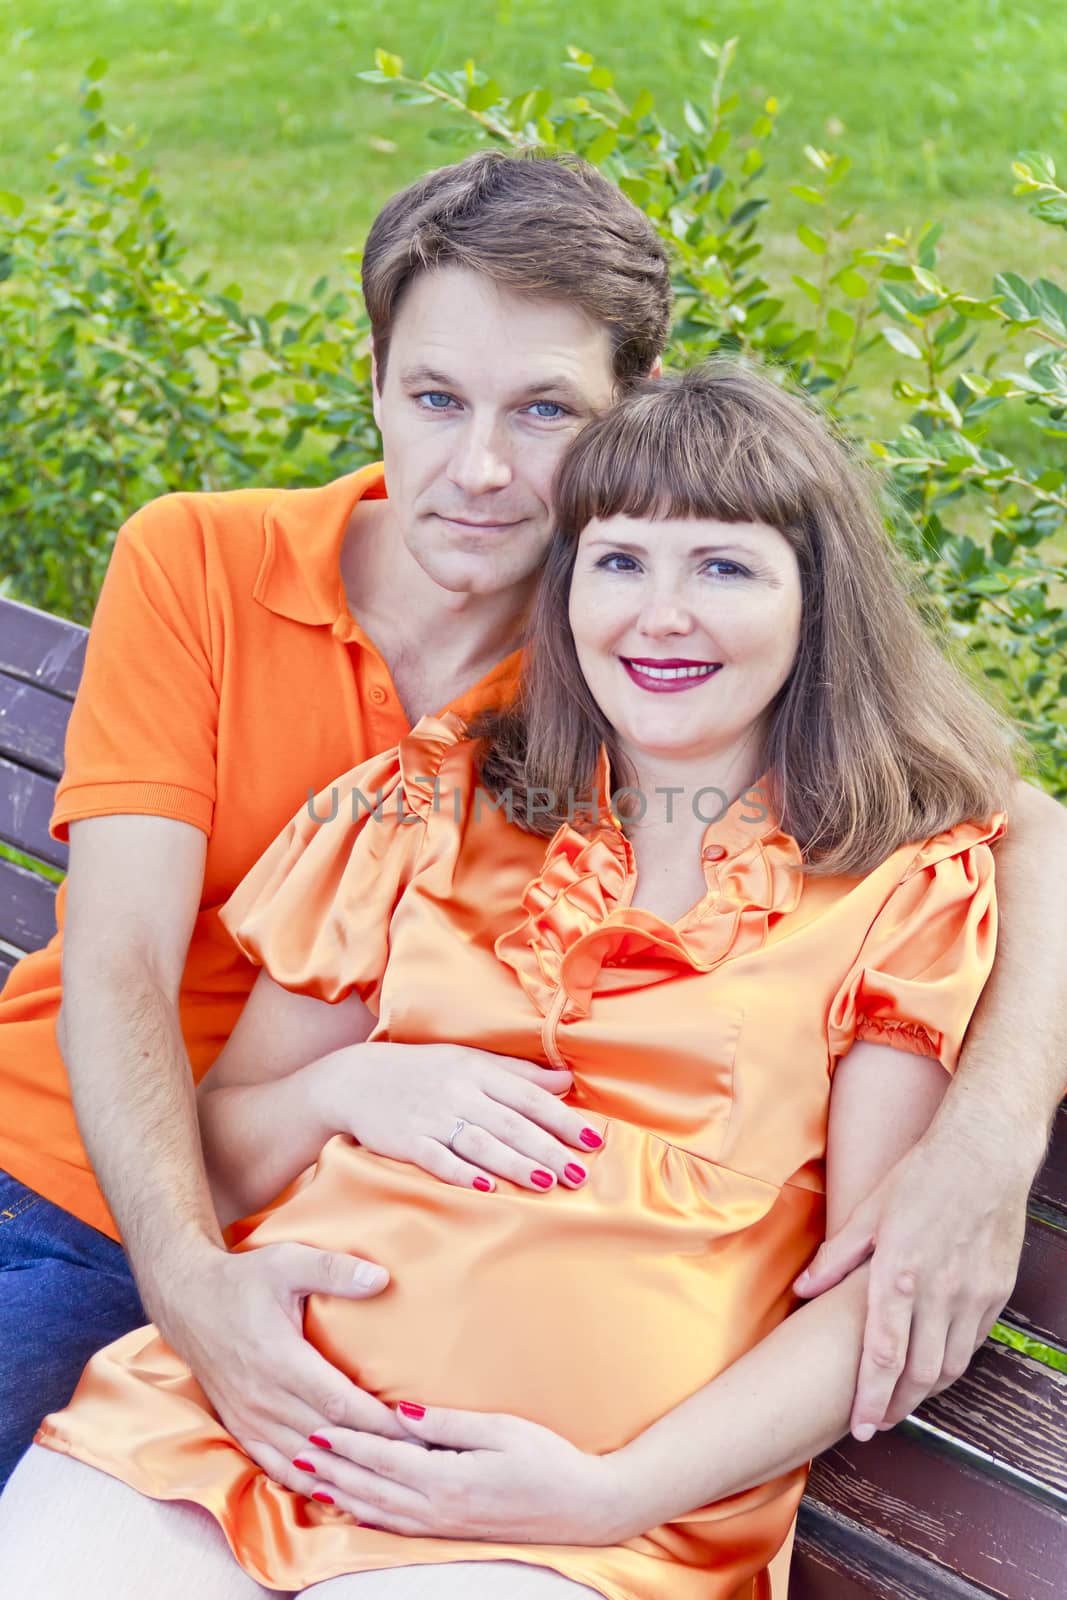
point(664, 613)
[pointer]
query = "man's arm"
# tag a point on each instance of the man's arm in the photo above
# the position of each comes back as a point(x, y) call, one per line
point(132, 897)
point(946, 1226)
point(133, 892)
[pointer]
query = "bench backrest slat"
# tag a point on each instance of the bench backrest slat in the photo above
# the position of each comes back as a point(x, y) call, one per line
point(27, 907)
point(41, 649)
point(1038, 1302)
point(26, 800)
point(1008, 1543)
point(1051, 1186)
point(984, 1408)
point(838, 1559)
point(33, 725)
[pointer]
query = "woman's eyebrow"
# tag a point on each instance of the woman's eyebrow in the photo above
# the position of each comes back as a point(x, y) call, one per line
point(697, 550)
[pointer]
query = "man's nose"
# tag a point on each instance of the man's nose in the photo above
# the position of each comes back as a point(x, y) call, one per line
point(481, 460)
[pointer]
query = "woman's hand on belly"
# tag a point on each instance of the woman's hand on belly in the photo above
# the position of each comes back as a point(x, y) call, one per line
point(494, 1478)
point(405, 1101)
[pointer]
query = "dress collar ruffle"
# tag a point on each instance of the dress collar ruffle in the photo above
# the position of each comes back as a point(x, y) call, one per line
point(579, 933)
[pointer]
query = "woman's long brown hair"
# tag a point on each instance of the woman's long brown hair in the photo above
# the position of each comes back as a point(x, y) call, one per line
point(876, 738)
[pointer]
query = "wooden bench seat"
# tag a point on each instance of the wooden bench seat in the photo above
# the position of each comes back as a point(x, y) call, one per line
point(968, 1499)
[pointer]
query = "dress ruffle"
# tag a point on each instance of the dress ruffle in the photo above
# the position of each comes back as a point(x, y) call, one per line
point(578, 931)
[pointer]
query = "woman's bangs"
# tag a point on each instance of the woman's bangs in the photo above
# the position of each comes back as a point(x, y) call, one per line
point(665, 463)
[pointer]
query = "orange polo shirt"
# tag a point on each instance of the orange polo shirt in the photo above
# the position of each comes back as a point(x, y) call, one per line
point(224, 679)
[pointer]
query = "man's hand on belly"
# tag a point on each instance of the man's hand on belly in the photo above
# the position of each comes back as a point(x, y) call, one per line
point(237, 1320)
point(497, 1479)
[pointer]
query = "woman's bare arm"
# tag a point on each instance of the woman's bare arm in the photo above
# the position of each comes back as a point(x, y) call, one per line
point(271, 1077)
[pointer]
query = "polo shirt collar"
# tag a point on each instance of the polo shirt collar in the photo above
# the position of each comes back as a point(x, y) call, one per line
point(300, 574)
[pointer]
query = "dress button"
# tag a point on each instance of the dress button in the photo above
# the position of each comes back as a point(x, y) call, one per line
point(377, 695)
point(713, 852)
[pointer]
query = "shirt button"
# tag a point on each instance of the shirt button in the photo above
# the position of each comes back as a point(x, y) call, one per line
point(713, 852)
point(377, 695)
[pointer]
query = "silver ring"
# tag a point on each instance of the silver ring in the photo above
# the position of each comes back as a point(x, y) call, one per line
point(454, 1135)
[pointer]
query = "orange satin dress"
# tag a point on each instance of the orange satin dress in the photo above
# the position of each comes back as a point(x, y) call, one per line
point(703, 1049)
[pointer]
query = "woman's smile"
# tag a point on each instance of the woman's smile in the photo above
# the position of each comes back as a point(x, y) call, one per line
point(668, 677)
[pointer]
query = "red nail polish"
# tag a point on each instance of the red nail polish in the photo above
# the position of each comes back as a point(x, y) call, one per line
point(574, 1172)
point(482, 1183)
point(411, 1409)
point(543, 1180)
point(324, 1499)
point(591, 1139)
point(305, 1466)
point(316, 1438)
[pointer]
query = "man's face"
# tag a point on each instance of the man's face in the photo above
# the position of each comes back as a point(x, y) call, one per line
point(483, 390)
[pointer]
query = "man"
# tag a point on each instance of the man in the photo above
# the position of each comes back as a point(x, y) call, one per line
point(250, 646)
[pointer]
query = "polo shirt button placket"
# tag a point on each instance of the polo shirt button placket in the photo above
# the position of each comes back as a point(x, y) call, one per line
point(377, 695)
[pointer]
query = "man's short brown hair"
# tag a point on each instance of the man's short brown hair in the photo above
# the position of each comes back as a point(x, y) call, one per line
point(537, 223)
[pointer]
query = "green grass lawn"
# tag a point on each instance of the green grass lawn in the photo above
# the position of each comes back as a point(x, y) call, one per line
point(273, 156)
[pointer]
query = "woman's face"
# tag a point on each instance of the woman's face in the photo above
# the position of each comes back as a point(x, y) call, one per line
point(685, 630)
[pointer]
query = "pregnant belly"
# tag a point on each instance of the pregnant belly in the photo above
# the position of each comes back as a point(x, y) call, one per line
point(591, 1311)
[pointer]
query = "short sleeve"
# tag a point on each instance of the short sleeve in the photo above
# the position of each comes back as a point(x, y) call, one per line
point(315, 910)
point(142, 734)
point(927, 954)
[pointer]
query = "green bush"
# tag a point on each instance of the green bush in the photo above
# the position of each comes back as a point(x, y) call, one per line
point(120, 379)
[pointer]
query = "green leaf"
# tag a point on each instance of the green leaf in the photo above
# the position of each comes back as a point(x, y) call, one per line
point(929, 281)
point(96, 69)
point(901, 343)
point(1019, 301)
point(601, 78)
point(695, 120)
point(638, 189)
point(1054, 303)
point(842, 326)
point(811, 240)
point(808, 288)
point(389, 66)
point(11, 205)
point(804, 192)
point(975, 310)
point(1041, 165)
point(643, 104)
point(602, 146)
point(480, 96)
point(852, 283)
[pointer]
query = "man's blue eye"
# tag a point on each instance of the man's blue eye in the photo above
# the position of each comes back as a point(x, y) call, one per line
point(548, 410)
point(435, 395)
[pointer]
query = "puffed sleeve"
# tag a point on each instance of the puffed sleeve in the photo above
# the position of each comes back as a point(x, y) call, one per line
point(315, 909)
point(928, 952)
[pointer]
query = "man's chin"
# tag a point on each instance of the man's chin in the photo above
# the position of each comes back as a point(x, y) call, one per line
point(476, 573)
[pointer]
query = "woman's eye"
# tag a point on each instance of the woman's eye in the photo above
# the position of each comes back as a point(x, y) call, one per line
point(729, 569)
point(434, 400)
point(607, 563)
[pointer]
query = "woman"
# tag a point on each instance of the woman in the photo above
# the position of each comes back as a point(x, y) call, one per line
point(716, 861)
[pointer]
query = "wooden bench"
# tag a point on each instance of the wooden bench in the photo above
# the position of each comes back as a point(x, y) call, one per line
point(965, 1500)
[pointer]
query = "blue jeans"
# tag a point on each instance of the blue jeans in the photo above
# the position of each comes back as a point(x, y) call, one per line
point(65, 1291)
